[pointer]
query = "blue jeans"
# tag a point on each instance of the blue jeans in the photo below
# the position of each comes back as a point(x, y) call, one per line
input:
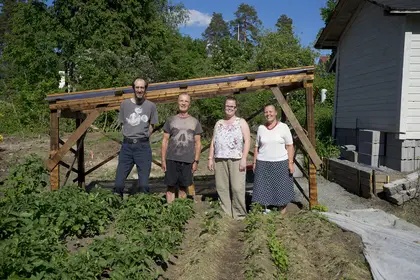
point(137, 153)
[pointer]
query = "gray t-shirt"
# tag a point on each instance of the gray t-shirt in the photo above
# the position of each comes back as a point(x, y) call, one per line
point(136, 118)
point(181, 138)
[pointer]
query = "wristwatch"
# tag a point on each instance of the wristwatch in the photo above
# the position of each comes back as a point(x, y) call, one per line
point(197, 161)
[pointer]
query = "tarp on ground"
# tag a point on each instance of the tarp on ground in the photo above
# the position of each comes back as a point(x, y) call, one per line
point(391, 245)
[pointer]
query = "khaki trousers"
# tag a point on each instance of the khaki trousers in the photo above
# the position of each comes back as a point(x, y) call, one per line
point(230, 185)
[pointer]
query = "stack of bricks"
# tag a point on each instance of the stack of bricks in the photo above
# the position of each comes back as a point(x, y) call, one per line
point(371, 147)
point(402, 155)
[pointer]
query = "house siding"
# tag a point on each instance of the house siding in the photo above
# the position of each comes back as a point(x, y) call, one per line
point(370, 71)
point(411, 81)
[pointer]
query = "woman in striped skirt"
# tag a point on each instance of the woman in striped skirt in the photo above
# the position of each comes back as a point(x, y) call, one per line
point(273, 162)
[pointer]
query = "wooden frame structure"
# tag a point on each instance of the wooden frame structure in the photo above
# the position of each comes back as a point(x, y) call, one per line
point(86, 106)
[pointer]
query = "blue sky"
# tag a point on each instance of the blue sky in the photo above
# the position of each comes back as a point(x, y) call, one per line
point(305, 14)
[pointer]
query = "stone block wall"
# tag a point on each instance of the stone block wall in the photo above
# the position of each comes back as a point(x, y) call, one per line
point(375, 148)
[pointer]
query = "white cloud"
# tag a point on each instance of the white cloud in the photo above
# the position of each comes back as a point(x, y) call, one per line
point(197, 18)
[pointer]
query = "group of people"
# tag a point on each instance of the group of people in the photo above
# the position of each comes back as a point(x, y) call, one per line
point(181, 148)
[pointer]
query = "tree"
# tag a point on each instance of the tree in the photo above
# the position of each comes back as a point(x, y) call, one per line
point(246, 24)
point(217, 29)
point(282, 50)
point(284, 24)
point(29, 66)
point(327, 10)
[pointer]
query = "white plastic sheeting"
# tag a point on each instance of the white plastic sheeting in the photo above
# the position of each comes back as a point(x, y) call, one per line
point(391, 245)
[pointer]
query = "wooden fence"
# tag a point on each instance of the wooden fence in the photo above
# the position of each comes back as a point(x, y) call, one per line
point(357, 179)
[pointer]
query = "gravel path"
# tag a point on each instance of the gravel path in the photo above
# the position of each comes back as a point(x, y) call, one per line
point(336, 197)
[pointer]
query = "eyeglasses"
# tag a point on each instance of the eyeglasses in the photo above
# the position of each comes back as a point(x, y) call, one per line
point(230, 107)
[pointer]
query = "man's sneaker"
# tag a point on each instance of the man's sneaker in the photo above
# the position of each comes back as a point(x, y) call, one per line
point(266, 211)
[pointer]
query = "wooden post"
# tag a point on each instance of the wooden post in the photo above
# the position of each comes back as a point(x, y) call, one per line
point(310, 121)
point(81, 157)
point(306, 143)
point(54, 146)
point(56, 158)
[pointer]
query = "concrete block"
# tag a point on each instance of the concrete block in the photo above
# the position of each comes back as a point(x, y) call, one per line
point(372, 160)
point(400, 164)
point(403, 196)
point(349, 155)
point(409, 143)
point(375, 149)
point(397, 186)
point(372, 136)
point(348, 147)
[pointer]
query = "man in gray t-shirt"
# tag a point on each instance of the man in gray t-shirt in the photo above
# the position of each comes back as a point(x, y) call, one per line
point(181, 148)
point(137, 116)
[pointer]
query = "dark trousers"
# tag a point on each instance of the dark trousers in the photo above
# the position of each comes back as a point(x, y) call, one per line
point(140, 154)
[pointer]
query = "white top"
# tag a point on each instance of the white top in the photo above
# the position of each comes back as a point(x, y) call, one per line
point(272, 143)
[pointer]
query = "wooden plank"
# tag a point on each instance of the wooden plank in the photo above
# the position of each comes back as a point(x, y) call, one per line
point(364, 174)
point(310, 122)
point(309, 148)
point(374, 177)
point(62, 163)
point(53, 162)
point(54, 146)
point(348, 169)
point(211, 90)
point(340, 173)
point(81, 156)
point(100, 164)
point(71, 149)
point(308, 72)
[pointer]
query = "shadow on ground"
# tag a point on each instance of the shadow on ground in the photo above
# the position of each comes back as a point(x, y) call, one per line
point(205, 187)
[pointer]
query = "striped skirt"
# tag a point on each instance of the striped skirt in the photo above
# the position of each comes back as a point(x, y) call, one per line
point(273, 184)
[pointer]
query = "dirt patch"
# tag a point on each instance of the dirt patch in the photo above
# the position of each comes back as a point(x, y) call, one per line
point(216, 255)
point(318, 249)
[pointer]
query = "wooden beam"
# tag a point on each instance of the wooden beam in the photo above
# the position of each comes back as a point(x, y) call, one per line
point(71, 149)
point(53, 162)
point(310, 70)
point(71, 115)
point(62, 163)
point(207, 91)
point(307, 145)
point(81, 156)
point(100, 164)
point(54, 146)
point(310, 121)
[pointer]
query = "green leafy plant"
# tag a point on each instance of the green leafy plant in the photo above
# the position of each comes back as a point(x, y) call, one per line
point(31, 176)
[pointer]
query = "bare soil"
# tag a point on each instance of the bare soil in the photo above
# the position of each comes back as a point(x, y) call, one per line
point(204, 255)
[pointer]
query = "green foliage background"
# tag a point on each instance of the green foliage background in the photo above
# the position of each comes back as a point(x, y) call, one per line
point(100, 44)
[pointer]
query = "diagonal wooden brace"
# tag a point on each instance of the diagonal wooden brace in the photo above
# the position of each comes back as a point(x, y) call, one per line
point(307, 145)
point(56, 158)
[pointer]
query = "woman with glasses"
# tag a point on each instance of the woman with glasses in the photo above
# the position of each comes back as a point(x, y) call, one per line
point(273, 163)
point(227, 157)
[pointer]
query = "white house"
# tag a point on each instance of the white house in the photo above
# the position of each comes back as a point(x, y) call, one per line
point(377, 67)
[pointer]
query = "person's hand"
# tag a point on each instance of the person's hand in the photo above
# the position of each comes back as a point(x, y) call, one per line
point(210, 165)
point(163, 166)
point(194, 166)
point(253, 166)
point(242, 165)
point(291, 168)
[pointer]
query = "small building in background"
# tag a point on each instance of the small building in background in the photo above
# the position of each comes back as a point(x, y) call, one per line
point(377, 65)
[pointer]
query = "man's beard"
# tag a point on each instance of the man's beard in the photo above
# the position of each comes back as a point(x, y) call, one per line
point(138, 100)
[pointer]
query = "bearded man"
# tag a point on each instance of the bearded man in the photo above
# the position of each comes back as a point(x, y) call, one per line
point(137, 116)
